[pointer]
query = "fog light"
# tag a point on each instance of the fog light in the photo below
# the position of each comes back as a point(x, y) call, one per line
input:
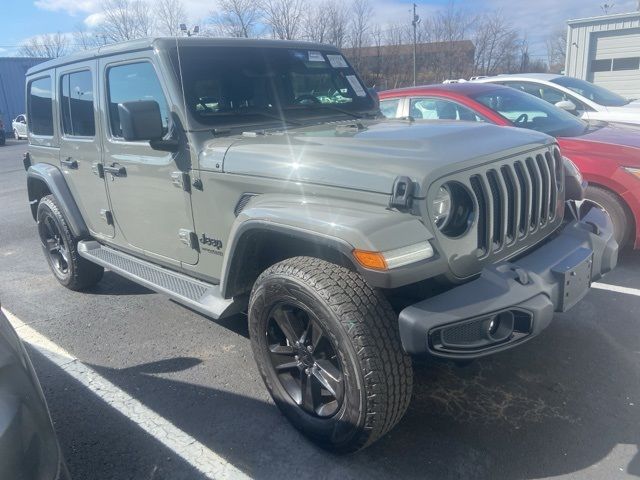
point(500, 326)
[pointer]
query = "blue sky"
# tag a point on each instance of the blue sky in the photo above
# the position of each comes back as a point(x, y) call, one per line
point(26, 18)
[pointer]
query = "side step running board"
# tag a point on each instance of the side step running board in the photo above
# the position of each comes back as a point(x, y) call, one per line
point(201, 296)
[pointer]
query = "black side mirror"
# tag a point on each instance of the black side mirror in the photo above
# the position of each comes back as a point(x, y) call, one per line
point(374, 94)
point(140, 120)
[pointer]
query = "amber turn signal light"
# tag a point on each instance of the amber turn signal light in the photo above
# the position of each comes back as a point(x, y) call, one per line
point(372, 260)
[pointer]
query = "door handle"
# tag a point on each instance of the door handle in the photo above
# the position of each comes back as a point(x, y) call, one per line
point(69, 163)
point(116, 170)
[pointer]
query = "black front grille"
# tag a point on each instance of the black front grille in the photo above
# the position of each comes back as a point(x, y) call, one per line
point(516, 199)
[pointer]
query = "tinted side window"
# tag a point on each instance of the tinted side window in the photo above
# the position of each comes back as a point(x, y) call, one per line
point(131, 82)
point(438, 109)
point(389, 108)
point(76, 104)
point(530, 88)
point(40, 107)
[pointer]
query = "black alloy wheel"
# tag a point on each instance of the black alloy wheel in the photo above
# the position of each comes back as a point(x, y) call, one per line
point(305, 360)
point(60, 248)
point(54, 245)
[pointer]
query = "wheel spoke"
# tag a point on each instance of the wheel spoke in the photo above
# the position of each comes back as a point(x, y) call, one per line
point(310, 393)
point(329, 377)
point(287, 366)
point(284, 319)
point(51, 228)
point(64, 254)
point(52, 245)
point(316, 335)
point(282, 350)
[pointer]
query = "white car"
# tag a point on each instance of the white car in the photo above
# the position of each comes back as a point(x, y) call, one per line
point(580, 97)
point(19, 126)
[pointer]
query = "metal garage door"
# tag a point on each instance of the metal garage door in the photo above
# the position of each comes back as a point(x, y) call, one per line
point(616, 62)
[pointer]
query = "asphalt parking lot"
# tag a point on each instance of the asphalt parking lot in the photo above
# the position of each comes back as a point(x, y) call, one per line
point(565, 405)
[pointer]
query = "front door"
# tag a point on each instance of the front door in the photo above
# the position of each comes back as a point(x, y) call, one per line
point(150, 206)
point(80, 155)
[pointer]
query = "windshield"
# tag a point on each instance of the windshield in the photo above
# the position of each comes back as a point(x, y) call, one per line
point(597, 94)
point(527, 111)
point(240, 85)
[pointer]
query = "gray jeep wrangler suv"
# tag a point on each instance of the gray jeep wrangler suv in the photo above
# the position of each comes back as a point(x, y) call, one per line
point(235, 174)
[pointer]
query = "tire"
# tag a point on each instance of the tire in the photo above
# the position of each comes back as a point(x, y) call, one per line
point(60, 249)
point(355, 345)
point(617, 209)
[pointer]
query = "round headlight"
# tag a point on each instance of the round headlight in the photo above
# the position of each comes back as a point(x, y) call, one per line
point(442, 206)
point(453, 209)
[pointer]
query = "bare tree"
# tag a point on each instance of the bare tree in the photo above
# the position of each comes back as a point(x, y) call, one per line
point(557, 49)
point(450, 27)
point(169, 15)
point(284, 17)
point(361, 11)
point(49, 45)
point(85, 40)
point(315, 24)
point(338, 14)
point(125, 20)
point(237, 18)
point(497, 45)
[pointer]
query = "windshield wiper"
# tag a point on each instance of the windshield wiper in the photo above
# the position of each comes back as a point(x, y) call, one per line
point(268, 115)
point(335, 109)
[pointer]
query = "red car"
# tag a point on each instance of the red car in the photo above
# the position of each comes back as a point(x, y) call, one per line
point(608, 155)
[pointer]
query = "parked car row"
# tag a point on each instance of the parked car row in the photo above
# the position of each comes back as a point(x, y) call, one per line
point(607, 154)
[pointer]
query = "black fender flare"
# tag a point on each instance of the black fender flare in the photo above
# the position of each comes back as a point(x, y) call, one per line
point(232, 265)
point(53, 179)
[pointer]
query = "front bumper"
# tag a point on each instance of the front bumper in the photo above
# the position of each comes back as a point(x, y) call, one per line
point(512, 302)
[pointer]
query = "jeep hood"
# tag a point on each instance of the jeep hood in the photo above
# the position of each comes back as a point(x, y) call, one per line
point(371, 156)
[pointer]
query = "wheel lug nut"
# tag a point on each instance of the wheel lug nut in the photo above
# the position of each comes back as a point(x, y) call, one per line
point(297, 357)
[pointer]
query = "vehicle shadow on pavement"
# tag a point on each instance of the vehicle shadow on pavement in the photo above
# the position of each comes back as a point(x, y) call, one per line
point(114, 284)
point(557, 405)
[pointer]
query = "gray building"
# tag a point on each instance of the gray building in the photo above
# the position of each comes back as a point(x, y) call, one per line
point(606, 51)
point(12, 71)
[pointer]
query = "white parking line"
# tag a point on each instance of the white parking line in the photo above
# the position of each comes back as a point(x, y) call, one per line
point(182, 444)
point(616, 288)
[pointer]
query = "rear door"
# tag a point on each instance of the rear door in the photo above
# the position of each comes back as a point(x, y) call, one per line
point(80, 152)
point(150, 202)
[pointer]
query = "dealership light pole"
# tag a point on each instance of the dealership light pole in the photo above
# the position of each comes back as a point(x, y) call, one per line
point(188, 32)
point(415, 22)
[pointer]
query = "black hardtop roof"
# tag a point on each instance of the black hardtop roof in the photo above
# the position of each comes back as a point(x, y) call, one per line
point(162, 43)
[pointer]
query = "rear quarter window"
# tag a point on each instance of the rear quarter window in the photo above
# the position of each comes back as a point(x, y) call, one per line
point(40, 107)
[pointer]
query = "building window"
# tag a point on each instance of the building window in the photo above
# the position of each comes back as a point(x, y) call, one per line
point(601, 65)
point(629, 63)
point(76, 102)
point(40, 107)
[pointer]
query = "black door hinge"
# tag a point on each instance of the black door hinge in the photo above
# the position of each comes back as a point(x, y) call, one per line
point(181, 180)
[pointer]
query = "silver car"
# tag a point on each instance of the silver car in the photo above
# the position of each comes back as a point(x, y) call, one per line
point(29, 448)
point(19, 126)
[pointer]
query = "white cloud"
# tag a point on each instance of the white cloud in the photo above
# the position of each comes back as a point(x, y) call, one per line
point(72, 7)
point(94, 19)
